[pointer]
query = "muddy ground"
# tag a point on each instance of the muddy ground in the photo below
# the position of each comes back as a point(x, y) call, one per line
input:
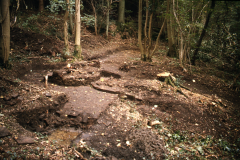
point(105, 106)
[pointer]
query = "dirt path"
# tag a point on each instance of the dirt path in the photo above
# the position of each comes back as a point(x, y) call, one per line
point(122, 75)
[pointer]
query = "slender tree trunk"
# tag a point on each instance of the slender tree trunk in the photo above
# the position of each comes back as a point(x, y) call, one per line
point(71, 23)
point(95, 16)
point(121, 12)
point(107, 23)
point(71, 18)
point(140, 29)
point(146, 54)
point(158, 37)
point(77, 49)
point(172, 29)
point(171, 46)
point(149, 38)
point(203, 32)
point(181, 49)
point(145, 30)
point(66, 29)
point(4, 32)
point(41, 5)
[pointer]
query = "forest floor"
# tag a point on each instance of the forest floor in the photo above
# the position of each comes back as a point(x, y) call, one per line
point(111, 105)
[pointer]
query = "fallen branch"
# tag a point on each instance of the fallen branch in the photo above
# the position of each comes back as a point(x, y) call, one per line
point(79, 155)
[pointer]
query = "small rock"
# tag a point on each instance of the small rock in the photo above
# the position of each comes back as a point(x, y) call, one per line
point(42, 116)
point(15, 95)
point(153, 123)
point(177, 148)
point(48, 95)
point(122, 96)
point(20, 99)
point(56, 103)
point(24, 140)
point(4, 132)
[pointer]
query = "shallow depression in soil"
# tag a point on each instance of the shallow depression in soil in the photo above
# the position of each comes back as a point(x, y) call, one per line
point(63, 136)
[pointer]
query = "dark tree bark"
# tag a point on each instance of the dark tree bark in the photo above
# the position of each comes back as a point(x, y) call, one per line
point(203, 33)
point(140, 30)
point(95, 16)
point(170, 33)
point(41, 5)
point(121, 12)
point(71, 24)
point(4, 32)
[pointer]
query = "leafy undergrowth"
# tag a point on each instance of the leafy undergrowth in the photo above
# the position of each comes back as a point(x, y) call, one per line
point(182, 144)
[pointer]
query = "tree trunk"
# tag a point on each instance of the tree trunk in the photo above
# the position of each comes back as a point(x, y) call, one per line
point(145, 30)
point(71, 23)
point(203, 32)
point(66, 29)
point(121, 12)
point(181, 49)
point(77, 48)
point(172, 25)
point(140, 29)
point(158, 37)
point(4, 32)
point(71, 18)
point(95, 16)
point(41, 5)
point(146, 50)
point(181, 32)
point(170, 32)
point(149, 38)
point(107, 23)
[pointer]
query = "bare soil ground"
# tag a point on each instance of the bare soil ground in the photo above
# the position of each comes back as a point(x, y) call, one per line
point(103, 107)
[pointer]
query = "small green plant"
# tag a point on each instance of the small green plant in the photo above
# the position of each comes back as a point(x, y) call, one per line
point(182, 144)
point(17, 80)
point(89, 20)
point(127, 29)
point(56, 6)
point(30, 23)
point(41, 136)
